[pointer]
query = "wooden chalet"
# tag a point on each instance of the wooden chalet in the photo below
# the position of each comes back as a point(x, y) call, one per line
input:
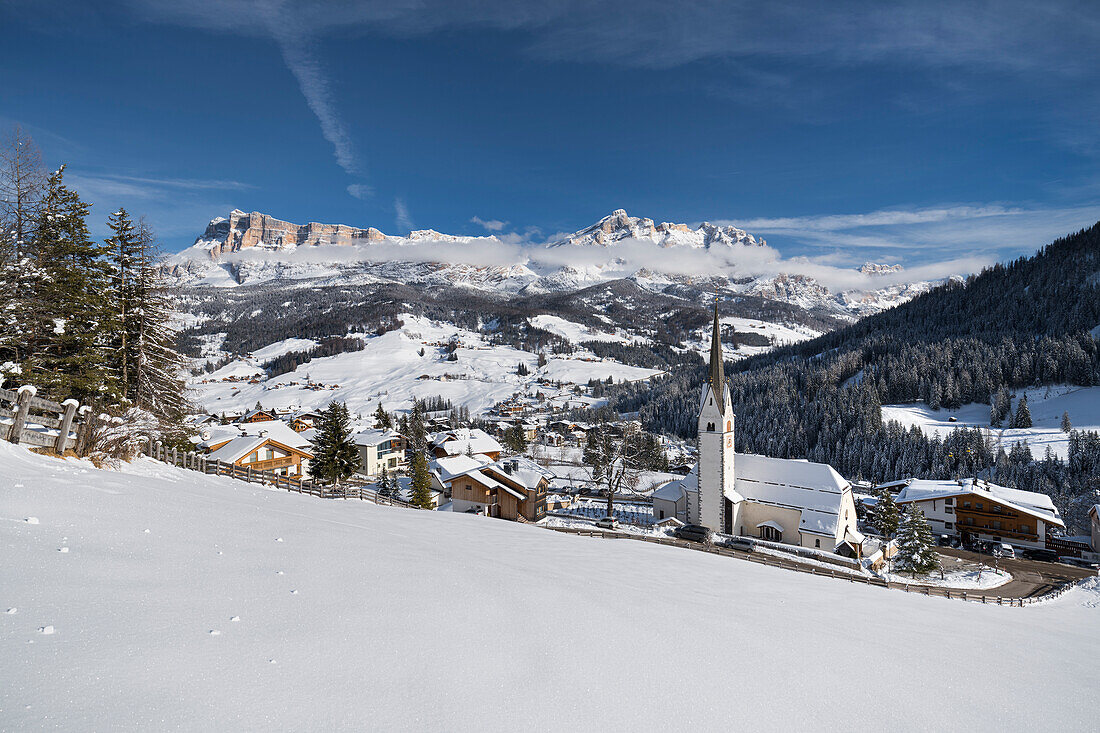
point(262, 453)
point(258, 415)
point(515, 489)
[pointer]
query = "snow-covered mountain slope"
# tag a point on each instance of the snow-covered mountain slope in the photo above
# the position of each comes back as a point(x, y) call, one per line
point(246, 249)
point(189, 602)
point(392, 370)
point(1046, 404)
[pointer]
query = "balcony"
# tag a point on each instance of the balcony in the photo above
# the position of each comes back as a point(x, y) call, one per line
point(271, 463)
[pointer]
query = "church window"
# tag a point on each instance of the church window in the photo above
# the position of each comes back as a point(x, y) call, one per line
point(729, 426)
point(710, 427)
point(817, 543)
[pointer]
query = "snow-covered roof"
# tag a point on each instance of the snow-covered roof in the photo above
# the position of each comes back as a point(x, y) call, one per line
point(452, 466)
point(466, 440)
point(814, 488)
point(1031, 503)
point(672, 491)
point(375, 437)
point(237, 448)
point(277, 430)
point(522, 471)
point(772, 524)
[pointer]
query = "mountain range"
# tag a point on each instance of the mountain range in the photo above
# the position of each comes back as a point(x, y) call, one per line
point(676, 259)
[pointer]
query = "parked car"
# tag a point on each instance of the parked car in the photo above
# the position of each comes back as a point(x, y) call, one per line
point(607, 523)
point(1041, 555)
point(1004, 550)
point(739, 543)
point(695, 533)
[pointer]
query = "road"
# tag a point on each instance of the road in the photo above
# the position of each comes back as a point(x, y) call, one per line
point(1029, 577)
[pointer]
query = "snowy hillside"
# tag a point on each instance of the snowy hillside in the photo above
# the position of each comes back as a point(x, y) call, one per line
point(392, 370)
point(159, 599)
point(1045, 403)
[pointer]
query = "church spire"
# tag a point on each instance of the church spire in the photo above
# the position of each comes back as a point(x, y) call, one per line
point(717, 376)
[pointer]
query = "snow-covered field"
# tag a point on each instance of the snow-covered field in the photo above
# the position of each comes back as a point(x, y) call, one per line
point(201, 603)
point(391, 370)
point(576, 333)
point(1046, 405)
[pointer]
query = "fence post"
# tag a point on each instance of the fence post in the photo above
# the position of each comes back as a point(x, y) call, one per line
point(248, 474)
point(175, 456)
point(22, 407)
point(70, 406)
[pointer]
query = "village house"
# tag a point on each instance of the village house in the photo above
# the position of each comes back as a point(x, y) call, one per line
point(257, 415)
point(380, 449)
point(261, 452)
point(463, 441)
point(514, 489)
point(974, 510)
point(304, 420)
point(781, 500)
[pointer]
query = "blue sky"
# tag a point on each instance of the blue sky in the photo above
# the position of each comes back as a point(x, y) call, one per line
point(918, 133)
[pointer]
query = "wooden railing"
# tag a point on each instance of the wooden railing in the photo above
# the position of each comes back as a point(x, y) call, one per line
point(204, 464)
point(32, 420)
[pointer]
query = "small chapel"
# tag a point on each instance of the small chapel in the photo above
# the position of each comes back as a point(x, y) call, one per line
point(777, 499)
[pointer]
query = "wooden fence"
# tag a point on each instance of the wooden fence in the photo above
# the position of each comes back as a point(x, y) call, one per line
point(31, 420)
point(773, 561)
point(203, 464)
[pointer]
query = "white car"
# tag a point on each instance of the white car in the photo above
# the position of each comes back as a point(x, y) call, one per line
point(1004, 550)
point(607, 523)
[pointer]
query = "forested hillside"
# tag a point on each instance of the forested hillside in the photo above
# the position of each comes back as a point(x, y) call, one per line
point(1030, 322)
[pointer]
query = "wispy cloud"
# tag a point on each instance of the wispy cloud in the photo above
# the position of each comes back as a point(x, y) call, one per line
point(491, 225)
point(401, 214)
point(361, 191)
point(990, 230)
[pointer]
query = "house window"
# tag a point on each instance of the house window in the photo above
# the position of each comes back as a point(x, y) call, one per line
point(996, 508)
point(662, 514)
point(996, 524)
point(966, 505)
point(949, 500)
point(948, 525)
point(817, 543)
point(970, 520)
point(980, 506)
point(1025, 528)
point(948, 510)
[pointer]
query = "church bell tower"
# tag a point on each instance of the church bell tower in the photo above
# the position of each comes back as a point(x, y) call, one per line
point(714, 505)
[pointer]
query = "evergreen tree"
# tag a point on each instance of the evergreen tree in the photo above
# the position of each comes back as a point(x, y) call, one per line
point(542, 359)
point(122, 254)
point(1022, 418)
point(421, 482)
point(416, 432)
point(1067, 426)
point(885, 515)
point(382, 419)
point(335, 455)
point(515, 439)
point(522, 369)
point(68, 336)
point(916, 546)
point(383, 487)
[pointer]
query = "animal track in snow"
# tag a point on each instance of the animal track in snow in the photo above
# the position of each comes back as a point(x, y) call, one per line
point(31, 520)
point(235, 618)
point(62, 549)
point(45, 630)
point(215, 632)
point(12, 611)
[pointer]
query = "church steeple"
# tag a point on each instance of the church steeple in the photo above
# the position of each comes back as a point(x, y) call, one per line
point(717, 377)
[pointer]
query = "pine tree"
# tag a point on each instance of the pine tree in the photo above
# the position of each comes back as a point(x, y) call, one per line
point(885, 515)
point(522, 369)
point(335, 455)
point(1067, 426)
point(1022, 418)
point(157, 373)
point(68, 336)
point(916, 546)
point(515, 439)
point(382, 420)
point(383, 487)
point(421, 482)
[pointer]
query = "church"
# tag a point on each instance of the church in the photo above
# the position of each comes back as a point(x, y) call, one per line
point(778, 499)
